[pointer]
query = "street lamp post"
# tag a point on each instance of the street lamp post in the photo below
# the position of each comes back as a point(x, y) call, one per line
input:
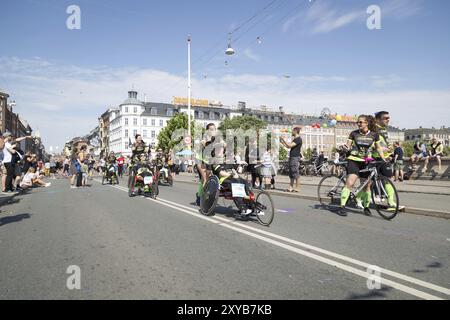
point(189, 86)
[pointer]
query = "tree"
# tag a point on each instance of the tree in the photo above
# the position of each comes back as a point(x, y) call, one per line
point(308, 154)
point(178, 121)
point(408, 148)
point(242, 122)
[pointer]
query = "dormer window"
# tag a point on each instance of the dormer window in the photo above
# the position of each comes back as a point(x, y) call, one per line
point(153, 111)
point(169, 112)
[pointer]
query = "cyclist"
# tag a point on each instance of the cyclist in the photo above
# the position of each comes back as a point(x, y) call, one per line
point(382, 119)
point(360, 143)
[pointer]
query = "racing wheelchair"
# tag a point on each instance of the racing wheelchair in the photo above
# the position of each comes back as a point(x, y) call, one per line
point(142, 181)
point(110, 175)
point(240, 192)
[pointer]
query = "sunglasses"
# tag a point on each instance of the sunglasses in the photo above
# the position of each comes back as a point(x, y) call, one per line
point(386, 118)
point(361, 122)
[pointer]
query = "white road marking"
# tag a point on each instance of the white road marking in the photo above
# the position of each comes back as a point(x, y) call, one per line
point(238, 227)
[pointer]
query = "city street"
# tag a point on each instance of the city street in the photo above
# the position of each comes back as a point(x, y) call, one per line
point(138, 248)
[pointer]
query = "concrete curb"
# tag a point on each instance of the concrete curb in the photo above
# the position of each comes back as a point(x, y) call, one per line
point(409, 210)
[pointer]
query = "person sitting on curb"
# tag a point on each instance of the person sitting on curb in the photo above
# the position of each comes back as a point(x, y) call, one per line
point(31, 179)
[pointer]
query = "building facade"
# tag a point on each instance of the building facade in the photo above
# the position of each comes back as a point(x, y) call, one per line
point(424, 134)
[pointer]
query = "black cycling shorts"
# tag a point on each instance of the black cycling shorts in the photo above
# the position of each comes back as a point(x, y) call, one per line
point(353, 167)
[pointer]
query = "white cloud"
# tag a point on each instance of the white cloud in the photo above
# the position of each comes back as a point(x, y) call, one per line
point(324, 17)
point(63, 101)
point(251, 55)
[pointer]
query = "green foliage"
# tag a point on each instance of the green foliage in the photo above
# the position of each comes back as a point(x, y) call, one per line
point(178, 121)
point(308, 154)
point(446, 151)
point(408, 148)
point(283, 153)
point(242, 122)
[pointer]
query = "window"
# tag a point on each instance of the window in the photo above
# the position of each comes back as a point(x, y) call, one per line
point(126, 121)
point(134, 121)
point(126, 133)
point(135, 109)
point(134, 133)
point(211, 116)
point(169, 112)
point(144, 122)
point(126, 109)
point(144, 134)
point(200, 115)
point(153, 111)
point(153, 122)
point(126, 144)
point(153, 133)
point(161, 123)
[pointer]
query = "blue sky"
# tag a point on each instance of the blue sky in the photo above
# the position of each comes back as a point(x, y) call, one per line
point(62, 80)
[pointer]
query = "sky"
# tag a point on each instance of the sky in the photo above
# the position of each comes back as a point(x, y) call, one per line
point(310, 55)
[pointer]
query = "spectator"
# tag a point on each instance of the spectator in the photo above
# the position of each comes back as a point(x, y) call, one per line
point(420, 151)
point(251, 158)
point(266, 170)
point(52, 168)
point(294, 158)
point(436, 152)
point(398, 162)
point(66, 166)
point(120, 164)
point(47, 169)
point(74, 168)
point(31, 179)
point(8, 151)
point(17, 161)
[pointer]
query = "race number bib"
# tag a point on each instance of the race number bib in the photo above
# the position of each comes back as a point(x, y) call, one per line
point(148, 179)
point(238, 190)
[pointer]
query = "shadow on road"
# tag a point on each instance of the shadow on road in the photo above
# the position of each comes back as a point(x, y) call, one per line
point(350, 210)
point(12, 219)
point(380, 293)
point(432, 265)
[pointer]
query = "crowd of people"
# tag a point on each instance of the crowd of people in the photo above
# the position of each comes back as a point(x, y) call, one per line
point(19, 170)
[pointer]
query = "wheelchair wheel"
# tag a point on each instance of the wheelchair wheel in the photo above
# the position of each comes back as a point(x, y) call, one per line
point(264, 208)
point(155, 189)
point(131, 185)
point(208, 200)
point(103, 179)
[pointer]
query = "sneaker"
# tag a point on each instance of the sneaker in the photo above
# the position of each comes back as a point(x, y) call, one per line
point(73, 187)
point(342, 212)
point(359, 204)
point(367, 212)
point(48, 184)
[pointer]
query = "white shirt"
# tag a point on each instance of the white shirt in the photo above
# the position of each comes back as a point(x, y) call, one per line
point(7, 157)
point(28, 178)
point(47, 165)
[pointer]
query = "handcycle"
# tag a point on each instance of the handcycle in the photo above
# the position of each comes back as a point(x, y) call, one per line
point(261, 204)
point(330, 189)
point(163, 175)
point(142, 181)
point(110, 175)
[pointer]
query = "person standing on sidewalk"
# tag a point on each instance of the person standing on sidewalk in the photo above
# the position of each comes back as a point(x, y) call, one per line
point(294, 158)
point(8, 152)
point(398, 162)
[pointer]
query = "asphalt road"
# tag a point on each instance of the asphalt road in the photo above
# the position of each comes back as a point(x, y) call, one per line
point(137, 248)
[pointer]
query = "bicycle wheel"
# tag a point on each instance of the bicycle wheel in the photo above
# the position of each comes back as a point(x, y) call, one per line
point(103, 179)
point(208, 200)
point(329, 191)
point(264, 208)
point(380, 198)
point(130, 177)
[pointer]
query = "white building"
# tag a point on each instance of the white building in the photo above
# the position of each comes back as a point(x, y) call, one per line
point(147, 119)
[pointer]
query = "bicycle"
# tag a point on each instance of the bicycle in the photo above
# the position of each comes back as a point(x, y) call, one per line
point(261, 205)
point(330, 188)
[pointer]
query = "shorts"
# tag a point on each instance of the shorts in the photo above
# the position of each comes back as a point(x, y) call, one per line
point(353, 167)
point(294, 165)
point(266, 172)
point(3, 169)
point(398, 165)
